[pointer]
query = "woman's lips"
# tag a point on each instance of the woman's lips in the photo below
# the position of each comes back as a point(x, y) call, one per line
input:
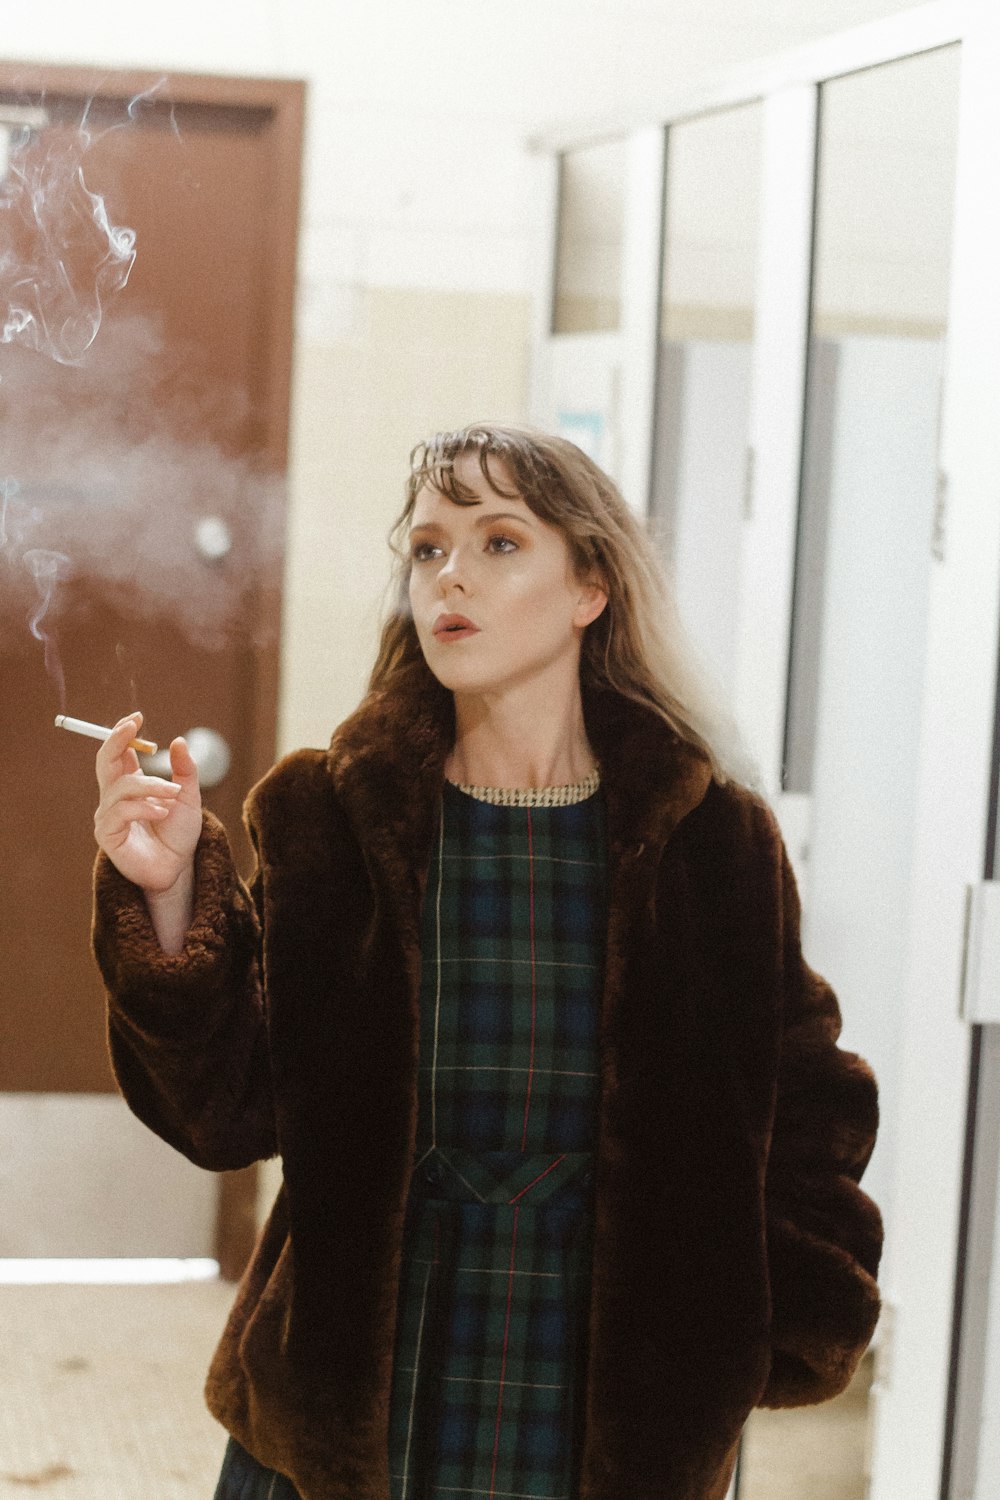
point(454, 628)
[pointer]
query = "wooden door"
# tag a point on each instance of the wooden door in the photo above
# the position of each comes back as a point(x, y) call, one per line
point(134, 461)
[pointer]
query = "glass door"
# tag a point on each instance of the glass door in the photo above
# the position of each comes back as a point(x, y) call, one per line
point(866, 543)
point(865, 554)
point(707, 311)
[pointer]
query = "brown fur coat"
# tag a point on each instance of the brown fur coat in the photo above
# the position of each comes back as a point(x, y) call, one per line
point(734, 1255)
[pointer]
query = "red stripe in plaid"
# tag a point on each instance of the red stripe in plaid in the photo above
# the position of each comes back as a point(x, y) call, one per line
point(528, 1186)
point(506, 1343)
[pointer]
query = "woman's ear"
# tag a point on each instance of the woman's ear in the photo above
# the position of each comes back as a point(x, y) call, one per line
point(593, 599)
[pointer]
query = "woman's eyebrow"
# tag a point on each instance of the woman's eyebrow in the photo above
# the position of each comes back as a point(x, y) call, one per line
point(486, 520)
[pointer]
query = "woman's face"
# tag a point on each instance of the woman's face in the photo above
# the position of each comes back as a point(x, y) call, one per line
point(503, 571)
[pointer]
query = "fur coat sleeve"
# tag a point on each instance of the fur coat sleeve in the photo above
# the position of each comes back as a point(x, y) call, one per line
point(824, 1234)
point(187, 1032)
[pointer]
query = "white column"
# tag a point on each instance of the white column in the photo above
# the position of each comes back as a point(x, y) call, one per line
point(776, 416)
point(544, 173)
point(641, 261)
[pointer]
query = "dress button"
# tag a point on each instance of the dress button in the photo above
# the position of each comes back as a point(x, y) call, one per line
point(433, 1172)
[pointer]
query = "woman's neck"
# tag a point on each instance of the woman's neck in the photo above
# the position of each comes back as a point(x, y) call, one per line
point(507, 741)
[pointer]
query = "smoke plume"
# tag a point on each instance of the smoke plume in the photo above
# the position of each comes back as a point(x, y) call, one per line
point(61, 258)
point(106, 486)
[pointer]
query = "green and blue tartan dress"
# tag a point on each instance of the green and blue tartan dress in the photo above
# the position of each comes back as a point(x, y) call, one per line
point(489, 1365)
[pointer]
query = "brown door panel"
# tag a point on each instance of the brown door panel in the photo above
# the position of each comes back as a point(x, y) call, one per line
point(178, 411)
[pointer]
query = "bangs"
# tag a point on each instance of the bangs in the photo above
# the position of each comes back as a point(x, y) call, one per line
point(433, 463)
point(536, 469)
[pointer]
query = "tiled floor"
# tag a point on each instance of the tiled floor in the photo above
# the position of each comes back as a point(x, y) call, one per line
point(101, 1399)
point(101, 1391)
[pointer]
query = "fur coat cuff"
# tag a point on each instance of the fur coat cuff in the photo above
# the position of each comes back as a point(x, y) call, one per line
point(156, 987)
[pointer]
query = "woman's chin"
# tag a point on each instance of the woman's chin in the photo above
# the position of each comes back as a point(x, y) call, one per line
point(456, 680)
point(465, 677)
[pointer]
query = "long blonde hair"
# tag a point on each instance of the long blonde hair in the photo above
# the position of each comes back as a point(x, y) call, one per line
point(637, 645)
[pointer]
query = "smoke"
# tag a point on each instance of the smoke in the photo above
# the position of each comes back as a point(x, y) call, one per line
point(61, 258)
point(113, 497)
point(105, 485)
point(47, 568)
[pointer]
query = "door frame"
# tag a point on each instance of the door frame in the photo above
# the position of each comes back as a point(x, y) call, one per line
point(280, 102)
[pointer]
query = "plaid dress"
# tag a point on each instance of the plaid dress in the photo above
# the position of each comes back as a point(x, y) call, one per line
point(491, 1332)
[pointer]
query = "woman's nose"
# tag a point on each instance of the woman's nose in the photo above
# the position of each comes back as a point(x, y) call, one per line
point(451, 573)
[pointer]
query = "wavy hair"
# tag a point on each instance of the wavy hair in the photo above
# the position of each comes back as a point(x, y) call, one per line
point(637, 645)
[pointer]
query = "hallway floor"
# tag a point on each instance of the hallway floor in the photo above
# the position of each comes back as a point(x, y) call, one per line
point(101, 1399)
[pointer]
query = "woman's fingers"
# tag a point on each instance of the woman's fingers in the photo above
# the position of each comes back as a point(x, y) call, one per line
point(114, 758)
point(182, 762)
point(111, 822)
point(138, 784)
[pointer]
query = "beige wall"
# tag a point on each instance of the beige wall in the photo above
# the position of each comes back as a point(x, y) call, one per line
point(413, 362)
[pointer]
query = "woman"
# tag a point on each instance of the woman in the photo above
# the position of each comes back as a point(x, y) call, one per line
point(570, 1154)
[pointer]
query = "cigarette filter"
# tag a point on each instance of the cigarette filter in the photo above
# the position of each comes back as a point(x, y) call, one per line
point(100, 732)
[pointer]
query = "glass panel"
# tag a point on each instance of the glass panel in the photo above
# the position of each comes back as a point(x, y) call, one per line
point(711, 234)
point(589, 242)
point(887, 156)
point(888, 142)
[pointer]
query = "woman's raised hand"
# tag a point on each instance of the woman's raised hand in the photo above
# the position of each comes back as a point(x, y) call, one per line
point(148, 827)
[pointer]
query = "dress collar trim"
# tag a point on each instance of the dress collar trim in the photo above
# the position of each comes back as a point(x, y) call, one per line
point(563, 795)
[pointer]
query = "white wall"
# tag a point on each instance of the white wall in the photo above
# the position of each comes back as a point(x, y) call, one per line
point(75, 1171)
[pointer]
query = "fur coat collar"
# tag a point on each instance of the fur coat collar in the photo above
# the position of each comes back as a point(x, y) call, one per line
point(387, 765)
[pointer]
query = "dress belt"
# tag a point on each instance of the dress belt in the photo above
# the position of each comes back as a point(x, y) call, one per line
point(514, 1177)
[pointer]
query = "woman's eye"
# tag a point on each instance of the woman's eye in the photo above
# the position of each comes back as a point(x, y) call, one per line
point(499, 544)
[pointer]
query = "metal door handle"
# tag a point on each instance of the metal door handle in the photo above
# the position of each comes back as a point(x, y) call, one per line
point(209, 752)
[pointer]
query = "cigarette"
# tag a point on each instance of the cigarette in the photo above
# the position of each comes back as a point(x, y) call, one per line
point(99, 732)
